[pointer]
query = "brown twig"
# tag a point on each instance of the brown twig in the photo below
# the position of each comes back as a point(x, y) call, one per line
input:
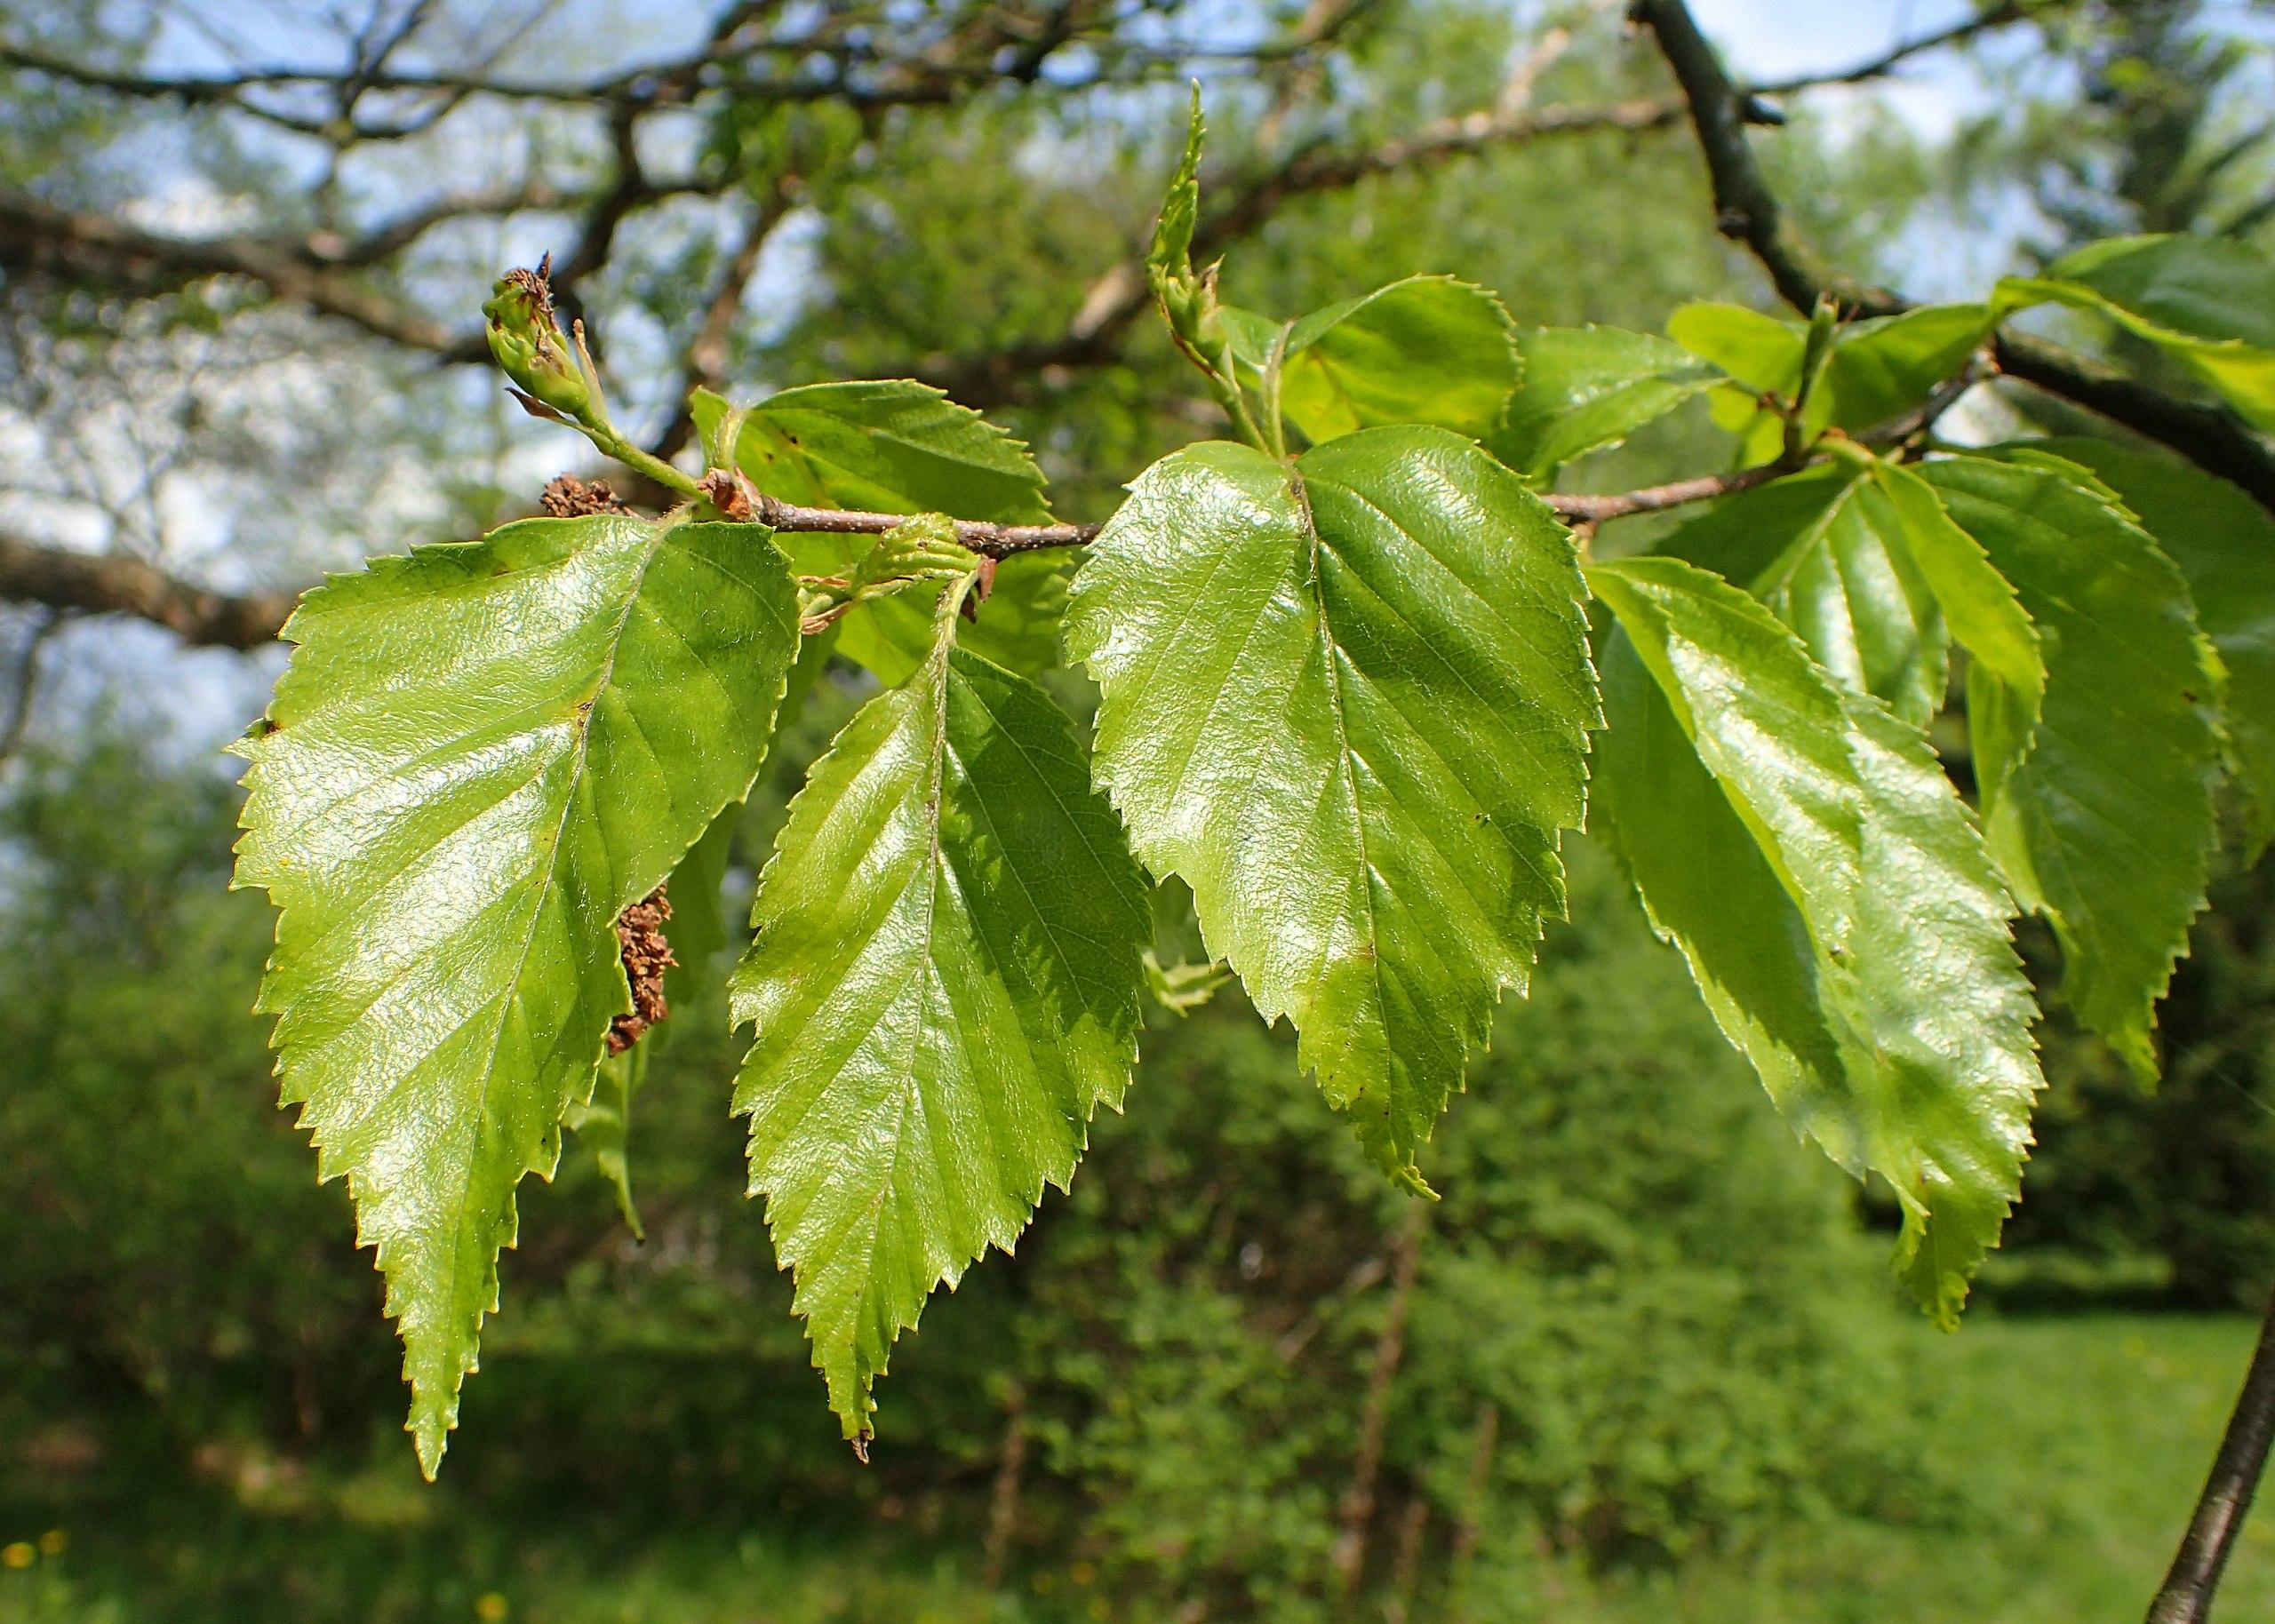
point(2185, 1596)
point(1348, 1559)
point(1469, 1532)
point(27, 683)
point(1003, 1501)
point(100, 584)
point(113, 584)
point(1746, 210)
point(1406, 1565)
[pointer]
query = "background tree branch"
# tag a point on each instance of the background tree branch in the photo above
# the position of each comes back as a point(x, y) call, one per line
point(1748, 212)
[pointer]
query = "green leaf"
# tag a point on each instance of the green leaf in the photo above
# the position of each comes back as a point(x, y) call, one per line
point(945, 981)
point(1585, 389)
point(1017, 627)
point(1981, 606)
point(893, 446)
point(1826, 550)
point(1760, 350)
point(2102, 818)
point(1349, 703)
point(2208, 302)
point(481, 754)
point(1866, 566)
point(696, 893)
point(1886, 366)
point(1880, 369)
point(1834, 901)
point(1761, 353)
point(603, 1126)
point(2224, 544)
point(1428, 349)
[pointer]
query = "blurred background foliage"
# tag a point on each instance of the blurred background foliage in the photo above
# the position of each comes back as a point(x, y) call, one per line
point(1640, 1364)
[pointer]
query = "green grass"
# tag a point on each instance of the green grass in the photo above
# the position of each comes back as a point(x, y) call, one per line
point(2083, 1440)
point(2078, 1442)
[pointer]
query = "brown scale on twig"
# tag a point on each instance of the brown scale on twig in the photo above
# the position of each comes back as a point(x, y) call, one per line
point(567, 496)
point(647, 955)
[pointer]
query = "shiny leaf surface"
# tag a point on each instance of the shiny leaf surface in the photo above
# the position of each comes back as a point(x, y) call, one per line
point(1428, 349)
point(1833, 898)
point(2224, 544)
point(481, 754)
point(1347, 701)
point(2101, 817)
point(1825, 551)
point(893, 446)
point(945, 981)
point(1586, 388)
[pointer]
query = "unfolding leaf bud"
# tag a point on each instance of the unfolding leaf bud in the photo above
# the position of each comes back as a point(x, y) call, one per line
point(526, 338)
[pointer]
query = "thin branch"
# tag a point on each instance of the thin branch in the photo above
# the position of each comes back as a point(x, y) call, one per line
point(2185, 1596)
point(114, 584)
point(1889, 61)
point(38, 237)
point(706, 352)
point(982, 535)
point(1747, 210)
point(26, 685)
point(628, 191)
point(1119, 297)
point(1348, 1559)
point(1003, 1502)
point(2212, 437)
point(1574, 509)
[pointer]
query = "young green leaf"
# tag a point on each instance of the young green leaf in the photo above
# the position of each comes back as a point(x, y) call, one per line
point(1833, 899)
point(1347, 701)
point(945, 979)
point(481, 754)
point(1760, 351)
point(1183, 987)
point(890, 446)
point(1428, 349)
point(2208, 302)
point(1016, 626)
point(1883, 367)
point(1880, 369)
point(1984, 613)
point(2102, 818)
point(2224, 544)
point(1585, 389)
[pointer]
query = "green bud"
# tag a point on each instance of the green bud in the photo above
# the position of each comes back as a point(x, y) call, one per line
point(526, 338)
